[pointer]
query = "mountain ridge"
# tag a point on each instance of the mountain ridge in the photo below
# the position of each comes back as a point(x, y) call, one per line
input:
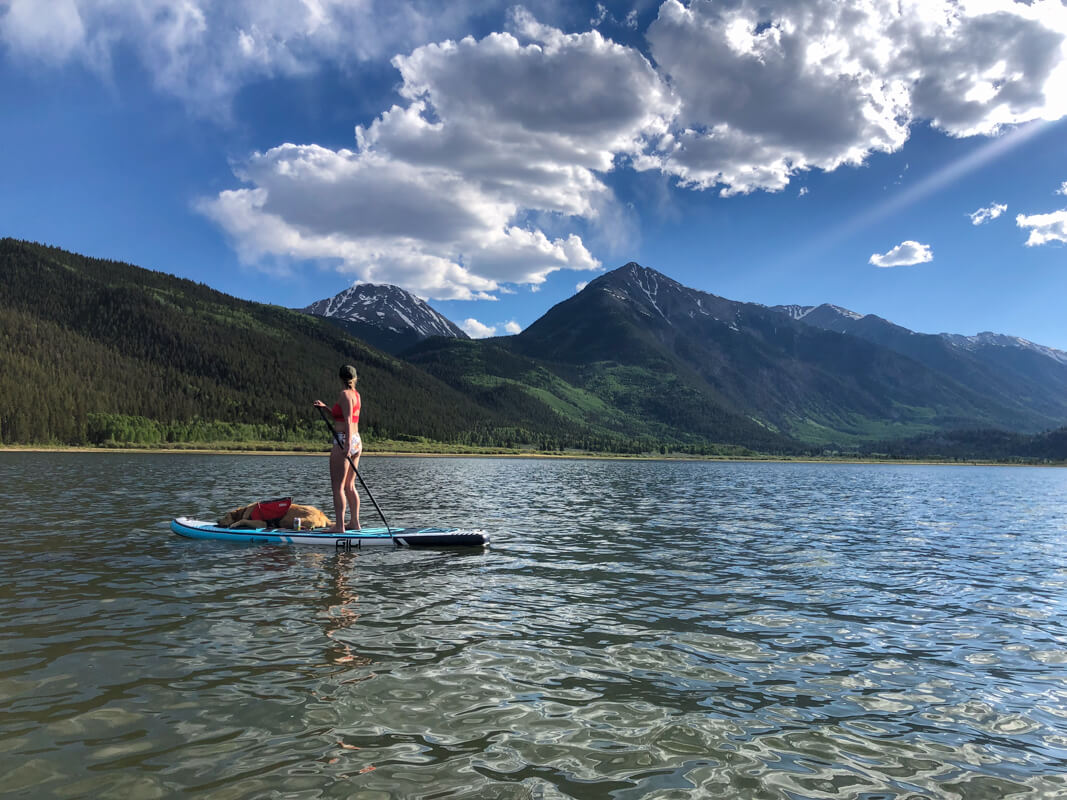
point(386, 316)
point(383, 306)
point(752, 359)
point(1025, 376)
point(826, 313)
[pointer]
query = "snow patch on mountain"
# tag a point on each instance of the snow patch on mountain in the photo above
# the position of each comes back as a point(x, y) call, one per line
point(387, 307)
point(799, 312)
point(990, 339)
point(794, 312)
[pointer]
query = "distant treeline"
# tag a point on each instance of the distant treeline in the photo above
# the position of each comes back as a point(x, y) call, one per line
point(117, 429)
point(986, 445)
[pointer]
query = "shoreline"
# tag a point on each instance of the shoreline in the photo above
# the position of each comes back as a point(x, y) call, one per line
point(532, 455)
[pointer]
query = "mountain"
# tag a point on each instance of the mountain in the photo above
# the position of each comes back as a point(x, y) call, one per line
point(1028, 379)
point(831, 317)
point(385, 316)
point(746, 359)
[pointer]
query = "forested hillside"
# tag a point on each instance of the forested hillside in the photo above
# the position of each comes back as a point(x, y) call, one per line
point(1028, 381)
point(599, 402)
point(92, 350)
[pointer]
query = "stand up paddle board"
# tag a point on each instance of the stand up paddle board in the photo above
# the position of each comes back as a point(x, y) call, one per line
point(349, 540)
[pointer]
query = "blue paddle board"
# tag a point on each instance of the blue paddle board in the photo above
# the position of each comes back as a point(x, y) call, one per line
point(349, 540)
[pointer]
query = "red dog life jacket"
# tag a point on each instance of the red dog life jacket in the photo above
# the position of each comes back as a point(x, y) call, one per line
point(271, 511)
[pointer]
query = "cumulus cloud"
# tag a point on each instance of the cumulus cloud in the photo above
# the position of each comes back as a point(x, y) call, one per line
point(1062, 189)
point(476, 330)
point(512, 327)
point(1044, 228)
point(984, 215)
point(772, 87)
point(903, 255)
point(440, 193)
point(581, 285)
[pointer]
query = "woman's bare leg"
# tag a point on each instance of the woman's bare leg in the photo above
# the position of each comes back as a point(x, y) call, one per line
point(338, 466)
point(350, 491)
point(352, 496)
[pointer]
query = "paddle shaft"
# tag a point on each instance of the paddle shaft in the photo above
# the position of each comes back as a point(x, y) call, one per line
point(337, 438)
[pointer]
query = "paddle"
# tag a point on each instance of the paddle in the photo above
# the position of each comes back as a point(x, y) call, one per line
point(336, 438)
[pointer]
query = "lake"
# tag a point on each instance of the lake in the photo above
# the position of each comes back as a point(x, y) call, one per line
point(637, 629)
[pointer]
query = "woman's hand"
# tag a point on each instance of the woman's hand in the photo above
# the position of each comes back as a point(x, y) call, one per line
point(319, 404)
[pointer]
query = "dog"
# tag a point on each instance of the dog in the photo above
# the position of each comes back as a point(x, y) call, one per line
point(310, 517)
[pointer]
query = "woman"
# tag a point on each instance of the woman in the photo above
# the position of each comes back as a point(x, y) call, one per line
point(347, 447)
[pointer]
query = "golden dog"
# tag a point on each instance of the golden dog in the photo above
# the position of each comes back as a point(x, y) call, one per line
point(310, 517)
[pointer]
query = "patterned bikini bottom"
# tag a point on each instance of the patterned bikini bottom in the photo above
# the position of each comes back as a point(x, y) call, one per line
point(355, 446)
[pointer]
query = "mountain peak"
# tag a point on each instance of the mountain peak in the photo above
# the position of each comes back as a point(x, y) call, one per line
point(650, 292)
point(634, 272)
point(385, 315)
point(645, 280)
point(654, 295)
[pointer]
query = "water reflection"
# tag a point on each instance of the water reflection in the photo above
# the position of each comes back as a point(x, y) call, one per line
point(637, 630)
point(342, 615)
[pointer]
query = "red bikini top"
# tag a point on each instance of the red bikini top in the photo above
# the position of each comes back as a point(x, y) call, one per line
point(339, 415)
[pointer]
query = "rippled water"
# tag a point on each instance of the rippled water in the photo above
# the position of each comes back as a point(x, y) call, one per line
point(657, 629)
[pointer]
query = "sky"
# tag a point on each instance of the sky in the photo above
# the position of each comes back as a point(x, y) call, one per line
point(905, 159)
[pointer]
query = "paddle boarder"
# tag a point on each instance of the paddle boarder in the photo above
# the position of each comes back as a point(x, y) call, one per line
point(346, 450)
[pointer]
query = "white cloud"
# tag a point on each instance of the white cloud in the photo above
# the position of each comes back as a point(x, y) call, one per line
point(440, 194)
point(1044, 228)
point(983, 215)
point(579, 286)
point(1062, 189)
point(203, 51)
point(903, 255)
point(803, 191)
point(772, 87)
point(512, 327)
point(476, 330)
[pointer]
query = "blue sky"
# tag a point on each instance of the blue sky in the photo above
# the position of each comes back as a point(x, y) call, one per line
point(906, 160)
